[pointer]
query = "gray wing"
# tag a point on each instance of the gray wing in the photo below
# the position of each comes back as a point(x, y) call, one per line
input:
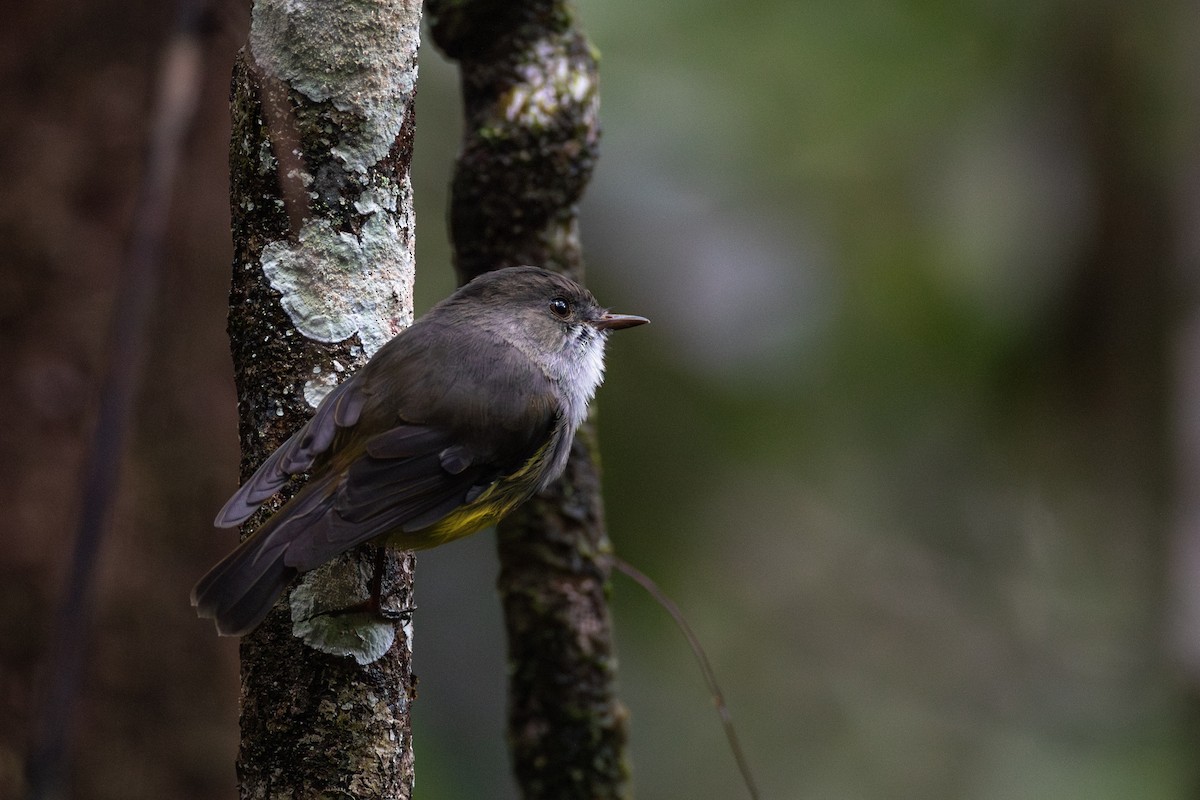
point(407, 479)
point(340, 409)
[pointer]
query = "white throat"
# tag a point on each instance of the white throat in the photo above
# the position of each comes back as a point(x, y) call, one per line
point(577, 369)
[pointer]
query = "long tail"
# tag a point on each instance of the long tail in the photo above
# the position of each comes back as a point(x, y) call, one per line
point(241, 589)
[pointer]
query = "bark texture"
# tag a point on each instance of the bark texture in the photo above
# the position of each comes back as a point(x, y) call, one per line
point(529, 82)
point(322, 103)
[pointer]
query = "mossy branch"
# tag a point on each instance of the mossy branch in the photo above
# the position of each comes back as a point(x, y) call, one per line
point(530, 89)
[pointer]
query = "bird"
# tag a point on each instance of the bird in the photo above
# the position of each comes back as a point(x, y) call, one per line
point(449, 426)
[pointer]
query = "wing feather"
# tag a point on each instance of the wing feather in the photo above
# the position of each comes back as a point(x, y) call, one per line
point(381, 495)
point(340, 409)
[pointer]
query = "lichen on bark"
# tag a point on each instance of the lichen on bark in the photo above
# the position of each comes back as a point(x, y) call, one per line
point(322, 106)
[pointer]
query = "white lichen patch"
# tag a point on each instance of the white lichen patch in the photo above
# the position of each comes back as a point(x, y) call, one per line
point(318, 388)
point(358, 54)
point(549, 82)
point(320, 617)
point(335, 284)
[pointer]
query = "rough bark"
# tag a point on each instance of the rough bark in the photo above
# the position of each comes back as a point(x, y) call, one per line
point(529, 82)
point(322, 103)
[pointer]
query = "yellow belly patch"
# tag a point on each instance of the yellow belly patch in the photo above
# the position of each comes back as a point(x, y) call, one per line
point(496, 502)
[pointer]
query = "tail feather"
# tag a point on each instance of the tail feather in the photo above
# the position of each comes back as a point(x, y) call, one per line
point(241, 589)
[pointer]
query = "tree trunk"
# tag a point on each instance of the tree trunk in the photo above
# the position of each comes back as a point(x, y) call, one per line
point(530, 89)
point(322, 103)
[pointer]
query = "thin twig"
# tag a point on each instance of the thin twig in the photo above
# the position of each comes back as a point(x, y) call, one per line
point(710, 677)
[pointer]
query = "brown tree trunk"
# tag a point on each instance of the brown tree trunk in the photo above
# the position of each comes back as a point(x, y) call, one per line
point(322, 102)
point(529, 80)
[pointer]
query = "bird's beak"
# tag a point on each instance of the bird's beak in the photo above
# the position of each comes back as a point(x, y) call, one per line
point(612, 322)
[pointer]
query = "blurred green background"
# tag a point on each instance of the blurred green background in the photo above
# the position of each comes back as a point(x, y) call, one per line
point(914, 439)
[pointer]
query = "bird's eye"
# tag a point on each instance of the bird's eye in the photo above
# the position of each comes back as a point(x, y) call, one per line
point(560, 307)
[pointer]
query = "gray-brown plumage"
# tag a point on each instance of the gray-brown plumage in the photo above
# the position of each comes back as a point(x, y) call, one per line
point(451, 425)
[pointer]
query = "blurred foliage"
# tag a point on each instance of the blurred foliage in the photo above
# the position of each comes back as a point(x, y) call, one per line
point(904, 439)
